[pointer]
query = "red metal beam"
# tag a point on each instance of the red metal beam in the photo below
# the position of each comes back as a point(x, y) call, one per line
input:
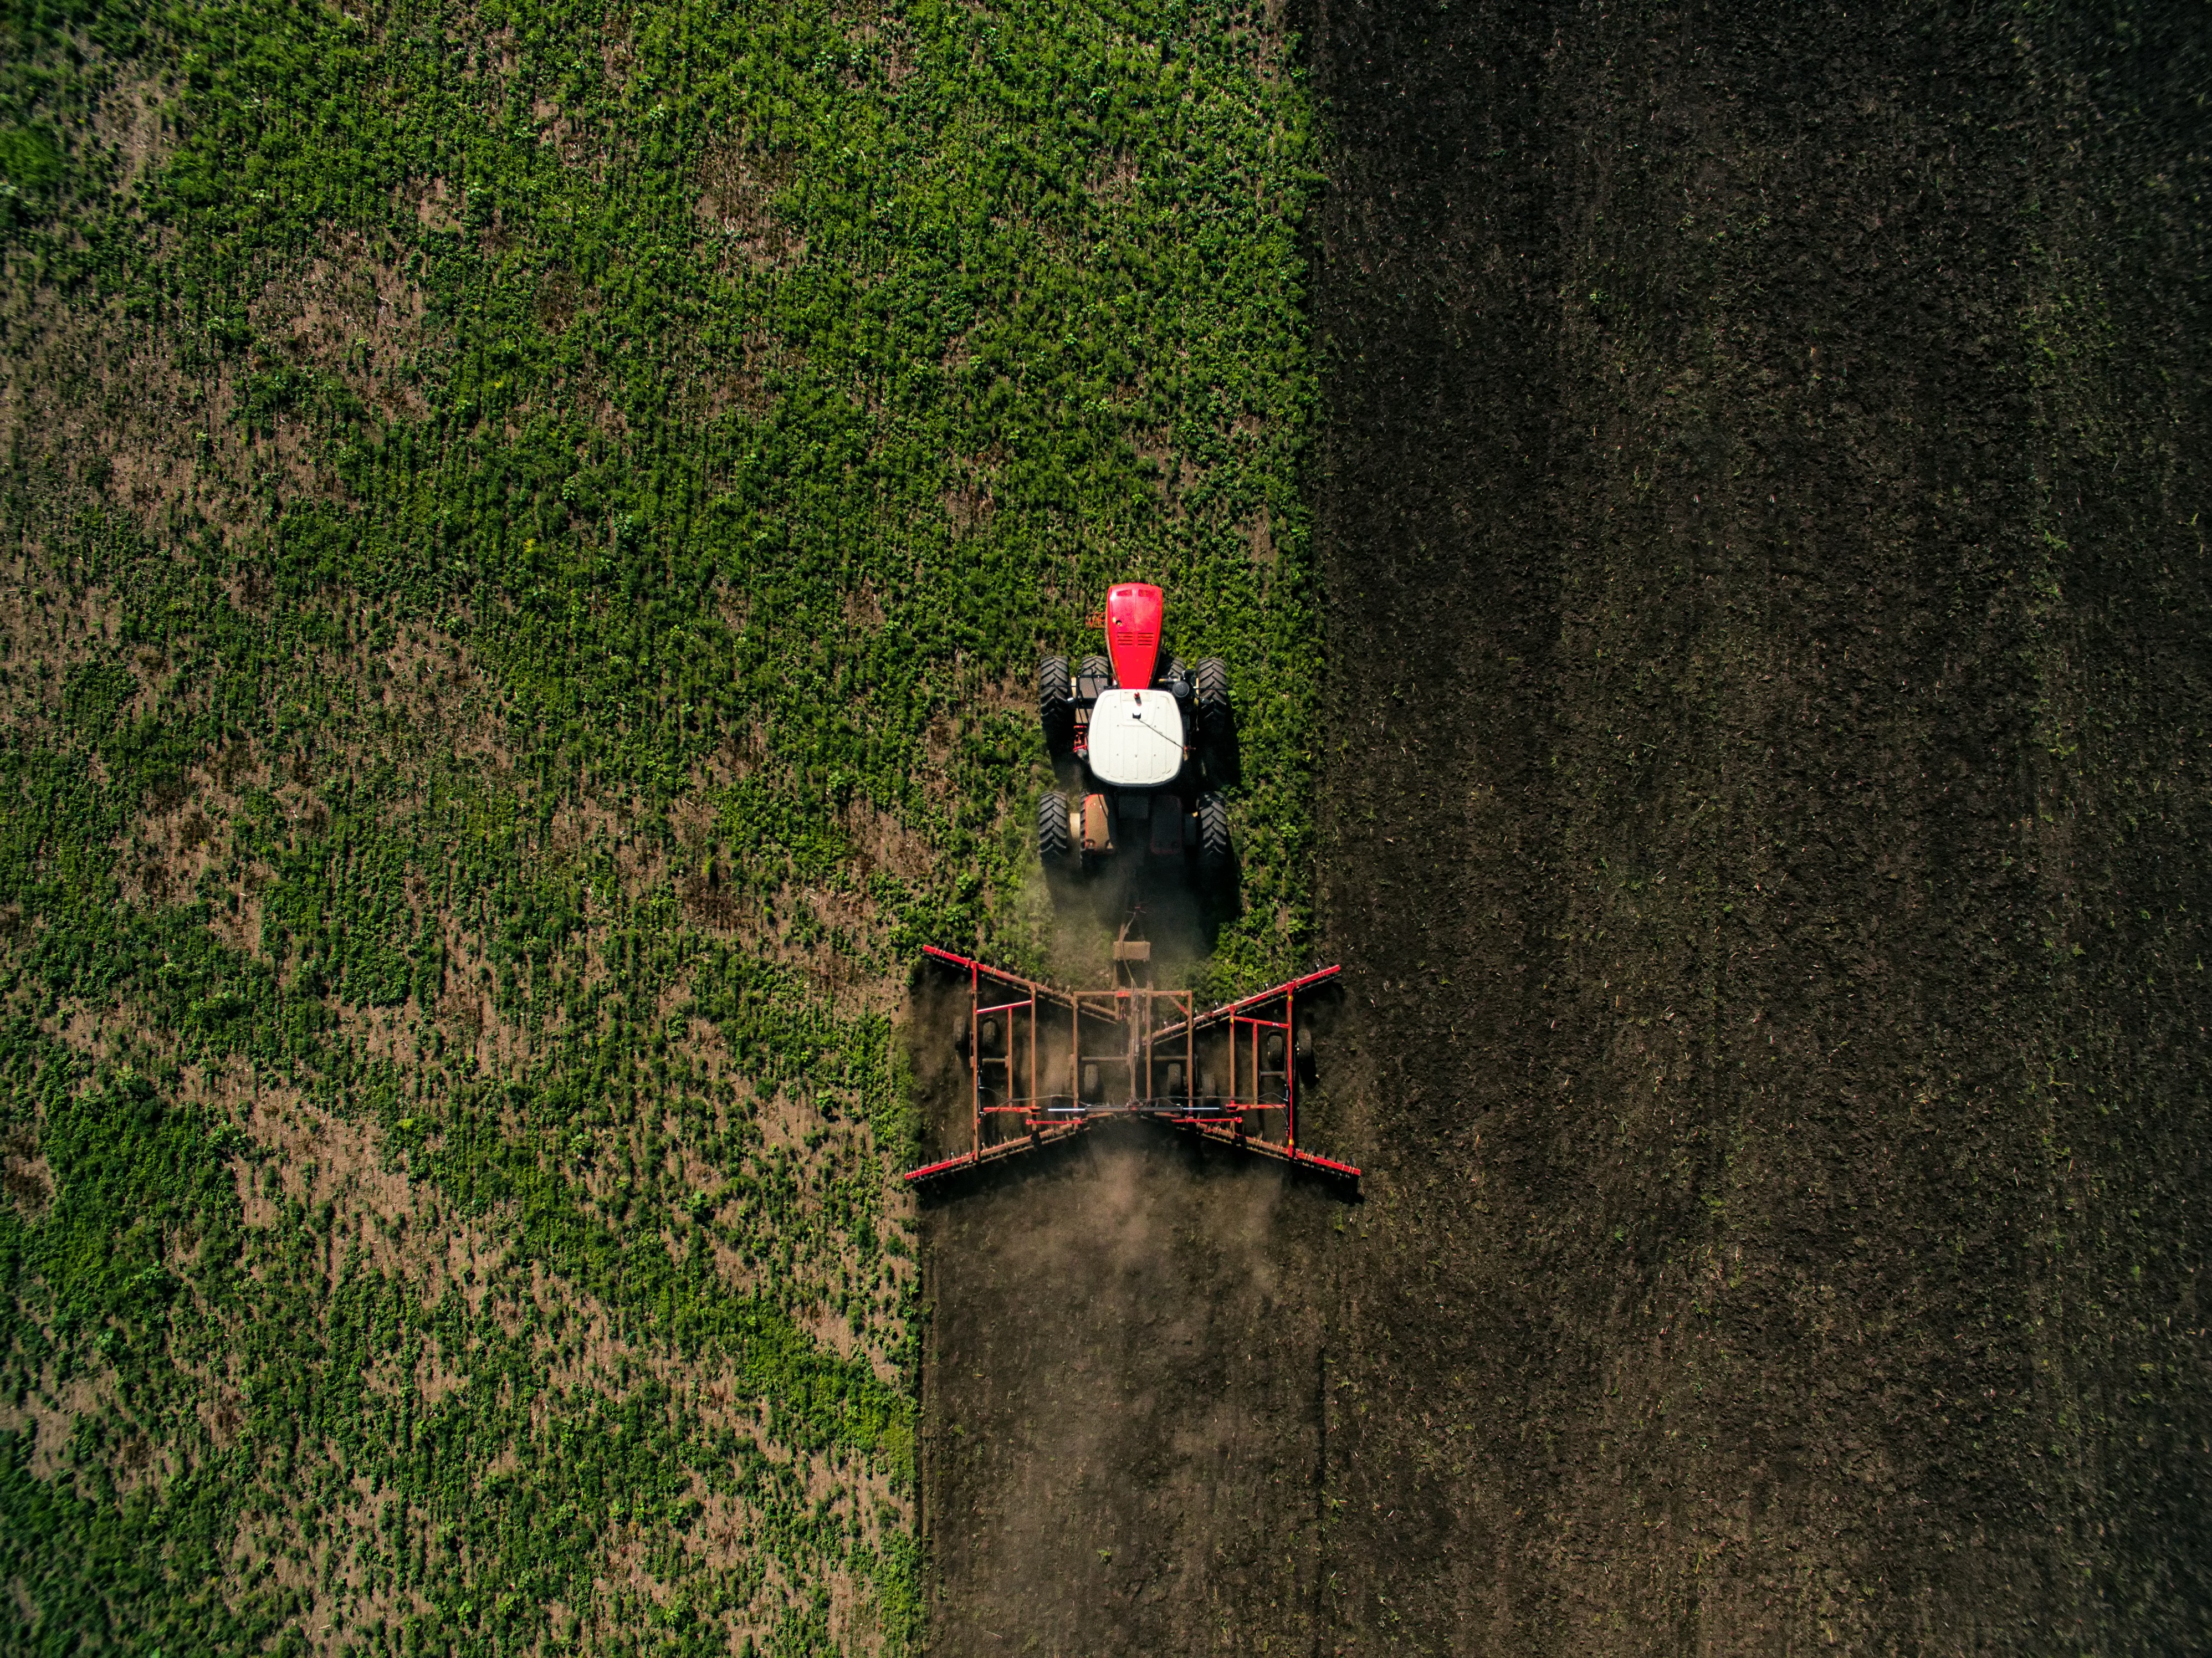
point(1214, 1016)
point(1227, 1136)
point(1031, 1142)
point(927, 1170)
point(1269, 1149)
point(969, 965)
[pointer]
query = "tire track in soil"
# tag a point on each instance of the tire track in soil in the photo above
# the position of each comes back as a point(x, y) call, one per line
point(1757, 503)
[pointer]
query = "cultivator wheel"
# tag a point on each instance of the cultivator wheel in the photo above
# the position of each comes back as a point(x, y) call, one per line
point(1052, 831)
point(1056, 702)
point(1274, 1085)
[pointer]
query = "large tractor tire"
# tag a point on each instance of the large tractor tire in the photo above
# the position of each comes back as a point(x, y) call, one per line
point(1056, 702)
point(1210, 691)
point(1212, 837)
point(1052, 831)
point(1095, 674)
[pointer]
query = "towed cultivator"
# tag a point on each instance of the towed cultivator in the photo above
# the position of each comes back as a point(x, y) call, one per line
point(1044, 1064)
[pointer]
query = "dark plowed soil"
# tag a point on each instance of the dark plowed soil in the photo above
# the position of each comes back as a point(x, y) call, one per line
point(1765, 831)
point(1125, 1403)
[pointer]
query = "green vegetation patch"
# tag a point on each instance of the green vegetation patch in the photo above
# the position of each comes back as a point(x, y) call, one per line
point(527, 530)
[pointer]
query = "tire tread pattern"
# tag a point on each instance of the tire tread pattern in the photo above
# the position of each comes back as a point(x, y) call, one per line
point(1212, 835)
point(1056, 702)
point(1052, 829)
point(1210, 691)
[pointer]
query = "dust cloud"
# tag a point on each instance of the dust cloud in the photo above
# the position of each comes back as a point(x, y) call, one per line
point(1123, 1369)
point(1155, 900)
point(1113, 1374)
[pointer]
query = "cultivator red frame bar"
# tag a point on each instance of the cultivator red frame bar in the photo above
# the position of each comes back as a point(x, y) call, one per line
point(1129, 1052)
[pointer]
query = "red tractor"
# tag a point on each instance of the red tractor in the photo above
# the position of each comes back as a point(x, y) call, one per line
point(1145, 743)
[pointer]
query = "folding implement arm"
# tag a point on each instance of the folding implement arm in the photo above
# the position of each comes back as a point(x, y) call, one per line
point(1263, 1067)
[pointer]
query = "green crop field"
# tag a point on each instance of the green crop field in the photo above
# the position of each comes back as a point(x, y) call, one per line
point(528, 527)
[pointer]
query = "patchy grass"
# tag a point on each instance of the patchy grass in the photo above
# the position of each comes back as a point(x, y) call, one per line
point(526, 530)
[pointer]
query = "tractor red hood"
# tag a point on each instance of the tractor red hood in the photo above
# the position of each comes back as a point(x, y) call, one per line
point(1132, 633)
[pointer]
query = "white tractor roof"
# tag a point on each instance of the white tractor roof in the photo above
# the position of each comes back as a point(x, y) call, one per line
point(1136, 740)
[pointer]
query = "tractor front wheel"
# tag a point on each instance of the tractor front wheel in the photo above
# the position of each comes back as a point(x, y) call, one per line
point(1052, 831)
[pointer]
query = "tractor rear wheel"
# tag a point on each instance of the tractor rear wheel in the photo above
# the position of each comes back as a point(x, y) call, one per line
point(1210, 691)
point(1094, 674)
point(1212, 837)
point(1052, 831)
point(1056, 702)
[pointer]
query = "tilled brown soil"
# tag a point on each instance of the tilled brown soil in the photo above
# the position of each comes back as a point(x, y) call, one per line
point(1122, 1449)
point(1765, 831)
point(1125, 1399)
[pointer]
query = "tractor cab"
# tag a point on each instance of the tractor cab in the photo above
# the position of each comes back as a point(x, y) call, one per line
point(1136, 739)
